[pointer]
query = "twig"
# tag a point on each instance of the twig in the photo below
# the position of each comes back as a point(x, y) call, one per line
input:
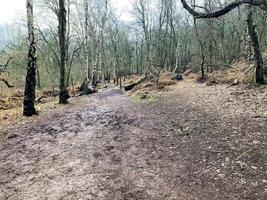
point(241, 155)
point(7, 83)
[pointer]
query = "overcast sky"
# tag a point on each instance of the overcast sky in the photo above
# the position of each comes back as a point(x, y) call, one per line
point(10, 9)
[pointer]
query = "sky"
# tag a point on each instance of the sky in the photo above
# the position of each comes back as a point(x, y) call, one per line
point(9, 9)
point(123, 7)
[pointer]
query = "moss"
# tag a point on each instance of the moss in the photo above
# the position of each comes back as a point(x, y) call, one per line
point(144, 98)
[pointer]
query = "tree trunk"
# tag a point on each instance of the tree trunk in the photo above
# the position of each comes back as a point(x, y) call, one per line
point(29, 93)
point(87, 48)
point(202, 52)
point(177, 60)
point(120, 82)
point(256, 47)
point(38, 78)
point(63, 94)
point(211, 56)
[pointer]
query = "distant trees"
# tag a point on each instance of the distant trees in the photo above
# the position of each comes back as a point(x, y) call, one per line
point(75, 37)
point(87, 5)
point(141, 12)
point(251, 27)
point(115, 41)
point(160, 37)
point(29, 94)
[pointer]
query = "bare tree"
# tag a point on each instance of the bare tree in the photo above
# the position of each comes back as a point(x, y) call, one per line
point(87, 48)
point(29, 94)
point(114, 37)
point(162, 38)
point(141, 13)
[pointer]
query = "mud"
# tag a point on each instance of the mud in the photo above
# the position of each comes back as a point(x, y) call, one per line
point(106, 147)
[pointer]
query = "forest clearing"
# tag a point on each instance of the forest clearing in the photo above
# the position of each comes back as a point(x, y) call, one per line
point(133, 100)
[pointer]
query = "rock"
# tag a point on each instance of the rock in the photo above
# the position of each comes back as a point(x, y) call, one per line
point(57, 128)
point(12, 136)
point(177, 77)
point(253, 167)
point(235, 83)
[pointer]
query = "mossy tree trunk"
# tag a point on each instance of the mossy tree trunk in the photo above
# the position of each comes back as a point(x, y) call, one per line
point(29, 93)
point(62, 18)
point(256, 48)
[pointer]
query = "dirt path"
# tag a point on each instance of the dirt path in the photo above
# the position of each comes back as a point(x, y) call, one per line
point(195, 142)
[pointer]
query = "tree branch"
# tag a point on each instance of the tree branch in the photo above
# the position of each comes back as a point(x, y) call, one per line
point(222, 11)
point(49, 45)
point(7, 83)
point(3, 67)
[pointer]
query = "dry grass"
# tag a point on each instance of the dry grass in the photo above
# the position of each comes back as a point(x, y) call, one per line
point(150, 84)
point(10, 98)
point(13, 98)
point(14, 115)
point(166, 80)
point(11, 105)
point(146, 92)
point(241, 71)
point(132, 79)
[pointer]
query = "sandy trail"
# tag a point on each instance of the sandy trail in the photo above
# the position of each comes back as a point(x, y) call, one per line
point(108, 147)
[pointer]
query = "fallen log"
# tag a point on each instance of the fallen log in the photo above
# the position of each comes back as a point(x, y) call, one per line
point(131, 86)
point(86, 89)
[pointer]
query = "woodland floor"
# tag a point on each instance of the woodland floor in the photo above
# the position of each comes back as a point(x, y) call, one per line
point(194, 142)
